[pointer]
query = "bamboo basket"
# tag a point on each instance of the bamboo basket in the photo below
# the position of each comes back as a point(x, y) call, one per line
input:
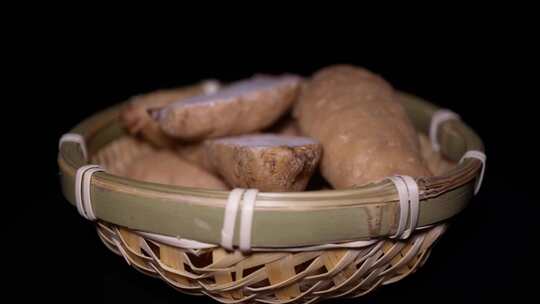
point(305, 244)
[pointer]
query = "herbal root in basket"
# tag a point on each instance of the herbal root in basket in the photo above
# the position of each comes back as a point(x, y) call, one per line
point(135, 116)
point(267, 162)
point(165, 167)
point(347, 117)
point(243, 107)
point(195, 152)
point(365, 132)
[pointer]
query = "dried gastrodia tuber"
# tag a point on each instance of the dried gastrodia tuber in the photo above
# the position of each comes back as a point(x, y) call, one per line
point(239, 108)
point(136, 119)
point(165, 167)
point(365, 132)
point(265, 161)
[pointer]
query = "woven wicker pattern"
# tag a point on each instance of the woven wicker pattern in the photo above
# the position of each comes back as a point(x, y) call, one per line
point(267, 277)
point(274, 277)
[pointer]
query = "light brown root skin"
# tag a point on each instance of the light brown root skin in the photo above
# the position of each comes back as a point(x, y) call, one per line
point(195, 153)
point(137, 121)
point(220, 116)
point(366, 134)
point(269, 168)
point(166, 167)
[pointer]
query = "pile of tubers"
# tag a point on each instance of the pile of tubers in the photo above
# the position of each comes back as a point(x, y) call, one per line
point(274, 133)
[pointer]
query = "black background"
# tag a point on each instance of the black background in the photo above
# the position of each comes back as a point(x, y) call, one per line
point(486, 254)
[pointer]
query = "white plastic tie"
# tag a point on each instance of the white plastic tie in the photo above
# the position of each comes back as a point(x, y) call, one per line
point(246, 219)
point(76, 138)
point(409, 205)
point(83, 179)
point(414, 203)
point(481, 156)
point(403, 204)
point(229, 220)
point(437, 119)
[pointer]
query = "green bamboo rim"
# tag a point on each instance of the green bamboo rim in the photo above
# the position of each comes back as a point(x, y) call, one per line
point(280, 219)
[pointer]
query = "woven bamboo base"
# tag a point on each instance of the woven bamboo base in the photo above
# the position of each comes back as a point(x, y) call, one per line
point(268, 277)
point(274, 277)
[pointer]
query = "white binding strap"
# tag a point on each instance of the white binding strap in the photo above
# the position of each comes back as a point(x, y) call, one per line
point(414, 203)
point(409, 205)
point(76, 138)
point(246, 219)
point(229, 220)
point(437, 119)
point(83, 179)
point(403, 204)
point(481, 156)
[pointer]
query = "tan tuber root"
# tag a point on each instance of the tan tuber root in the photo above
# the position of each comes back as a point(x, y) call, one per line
point(195, 153)
point(165, 167)
point(266, 162)
point(240, 108)
point(365, 133)
point(136, 119)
